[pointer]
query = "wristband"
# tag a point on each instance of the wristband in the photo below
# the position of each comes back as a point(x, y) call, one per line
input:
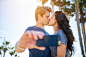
point(19, 46)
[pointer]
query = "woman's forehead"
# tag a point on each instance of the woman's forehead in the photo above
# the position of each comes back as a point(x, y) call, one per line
point(53, 14)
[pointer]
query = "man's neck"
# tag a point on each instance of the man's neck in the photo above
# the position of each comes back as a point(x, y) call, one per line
point(39, 25)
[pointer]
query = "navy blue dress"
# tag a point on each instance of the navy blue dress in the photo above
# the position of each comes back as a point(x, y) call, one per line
point(36, 52)
point(53, 49)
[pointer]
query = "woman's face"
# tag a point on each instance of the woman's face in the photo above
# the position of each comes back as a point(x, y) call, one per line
point(52, 20)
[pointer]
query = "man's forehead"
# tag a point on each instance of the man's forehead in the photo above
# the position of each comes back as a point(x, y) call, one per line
point(47, 12)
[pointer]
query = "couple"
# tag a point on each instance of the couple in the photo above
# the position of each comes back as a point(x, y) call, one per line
point(61, 26)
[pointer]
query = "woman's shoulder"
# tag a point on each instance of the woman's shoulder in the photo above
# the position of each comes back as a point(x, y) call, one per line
point(61, 33)
point(63, 37)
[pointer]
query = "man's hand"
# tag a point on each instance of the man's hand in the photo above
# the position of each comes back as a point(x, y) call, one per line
point(28, 40)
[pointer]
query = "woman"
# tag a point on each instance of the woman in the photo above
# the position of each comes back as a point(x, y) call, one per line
point(61, 26)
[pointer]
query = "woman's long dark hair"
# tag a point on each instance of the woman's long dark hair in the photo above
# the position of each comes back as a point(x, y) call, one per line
point(63, 23)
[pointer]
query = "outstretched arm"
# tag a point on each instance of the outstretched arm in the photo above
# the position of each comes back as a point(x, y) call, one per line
point(28, 40)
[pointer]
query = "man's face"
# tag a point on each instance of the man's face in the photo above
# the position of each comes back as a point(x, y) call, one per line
point(45, 18)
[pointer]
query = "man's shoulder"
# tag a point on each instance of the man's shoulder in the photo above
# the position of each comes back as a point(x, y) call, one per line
point(30, 28)
point(34, 28)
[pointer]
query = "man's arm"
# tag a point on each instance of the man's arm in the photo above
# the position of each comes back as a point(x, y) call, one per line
point(28, 40)
point(19, 49)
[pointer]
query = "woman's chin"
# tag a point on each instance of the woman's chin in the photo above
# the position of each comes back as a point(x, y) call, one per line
point(49, 25)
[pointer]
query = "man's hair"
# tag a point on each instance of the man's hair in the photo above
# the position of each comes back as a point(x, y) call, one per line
point(41, 10)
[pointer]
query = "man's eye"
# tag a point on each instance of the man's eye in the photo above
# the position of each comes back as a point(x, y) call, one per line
point(47, 16)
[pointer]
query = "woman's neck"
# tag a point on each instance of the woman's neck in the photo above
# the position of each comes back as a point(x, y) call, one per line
point(56, 28)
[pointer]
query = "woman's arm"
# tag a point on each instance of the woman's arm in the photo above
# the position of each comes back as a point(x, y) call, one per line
point(61, 50)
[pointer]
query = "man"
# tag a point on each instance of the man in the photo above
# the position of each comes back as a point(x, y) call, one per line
point(28, 39)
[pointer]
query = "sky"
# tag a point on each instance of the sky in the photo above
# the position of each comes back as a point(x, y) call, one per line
point(17, 15)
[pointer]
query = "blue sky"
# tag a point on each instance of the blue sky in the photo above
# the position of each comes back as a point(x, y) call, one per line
point(17, 15)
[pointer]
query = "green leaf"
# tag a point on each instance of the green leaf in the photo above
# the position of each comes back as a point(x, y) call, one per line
point(9, 48)
point(78, 0)
point(71, 15)
point(12, 48)
point(3, 43)
point(83, 14)
point(68, 3)
point(1, 47)
point(12, 53)
point(7, 43)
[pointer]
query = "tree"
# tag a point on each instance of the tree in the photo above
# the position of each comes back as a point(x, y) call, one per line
point(78, 22)
point(6, 47)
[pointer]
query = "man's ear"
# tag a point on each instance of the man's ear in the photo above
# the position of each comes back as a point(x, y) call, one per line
point(39, 16)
